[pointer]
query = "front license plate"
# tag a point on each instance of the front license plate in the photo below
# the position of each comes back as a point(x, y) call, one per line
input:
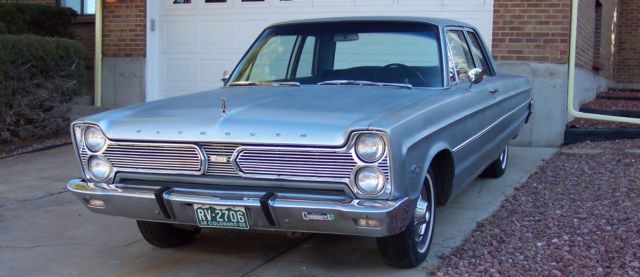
point(221, 216)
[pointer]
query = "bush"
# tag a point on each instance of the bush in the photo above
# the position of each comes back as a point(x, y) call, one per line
point(38, 78)
point(43, 20)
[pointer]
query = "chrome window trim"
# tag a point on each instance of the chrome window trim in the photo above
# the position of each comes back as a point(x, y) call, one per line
point(485, 130)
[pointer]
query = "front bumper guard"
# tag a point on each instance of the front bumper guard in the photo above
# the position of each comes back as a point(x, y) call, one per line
point(267, 210)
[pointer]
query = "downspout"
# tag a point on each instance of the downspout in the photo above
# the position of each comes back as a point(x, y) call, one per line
point(572, 74)
point(97, 67)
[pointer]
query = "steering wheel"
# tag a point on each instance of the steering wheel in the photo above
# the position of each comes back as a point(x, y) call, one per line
point(398, 66)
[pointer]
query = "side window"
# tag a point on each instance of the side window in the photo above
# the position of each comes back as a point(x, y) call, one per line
point(272, 62)
point(305, 65)
point(460, 54)
point(476, 49)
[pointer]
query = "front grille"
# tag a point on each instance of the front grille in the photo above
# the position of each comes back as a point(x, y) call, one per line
point(149, 157)
point(296, 163)
point(220, 150)
point(255, 162)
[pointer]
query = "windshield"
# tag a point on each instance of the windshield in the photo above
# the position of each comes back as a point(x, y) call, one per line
point(362, 53)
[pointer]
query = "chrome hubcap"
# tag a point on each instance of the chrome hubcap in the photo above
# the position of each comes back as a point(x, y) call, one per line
point(422, 217)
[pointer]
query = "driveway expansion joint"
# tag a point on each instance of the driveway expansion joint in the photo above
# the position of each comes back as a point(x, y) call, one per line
point(32, 200)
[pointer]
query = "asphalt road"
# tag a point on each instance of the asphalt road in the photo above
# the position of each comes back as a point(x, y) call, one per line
point(45, 231)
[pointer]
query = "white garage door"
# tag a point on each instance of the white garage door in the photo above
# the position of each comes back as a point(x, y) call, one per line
point(192, 42)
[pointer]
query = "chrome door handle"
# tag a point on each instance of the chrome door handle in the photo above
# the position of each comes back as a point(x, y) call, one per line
point(495, 90)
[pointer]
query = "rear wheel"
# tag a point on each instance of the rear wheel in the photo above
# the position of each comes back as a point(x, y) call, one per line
point(165, 235)
point(410, 247)
point(499, 166)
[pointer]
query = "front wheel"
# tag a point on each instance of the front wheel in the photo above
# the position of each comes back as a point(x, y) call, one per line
point(165, 235)
point(410, 247)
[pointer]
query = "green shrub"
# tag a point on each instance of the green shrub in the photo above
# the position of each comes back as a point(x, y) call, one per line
point(38, 78)
point(43, 20)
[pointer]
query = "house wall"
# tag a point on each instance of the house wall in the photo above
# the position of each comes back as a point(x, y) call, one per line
point(627, 68)
point(123, 51)
point(532, 39)
point(44, 2)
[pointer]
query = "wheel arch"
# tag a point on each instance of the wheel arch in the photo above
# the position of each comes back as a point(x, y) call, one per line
point(443, 168)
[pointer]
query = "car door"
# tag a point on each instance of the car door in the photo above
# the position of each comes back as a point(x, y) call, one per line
point(509, 94)
point(474, 141)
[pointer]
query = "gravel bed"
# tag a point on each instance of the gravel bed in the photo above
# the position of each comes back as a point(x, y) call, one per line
point(598, 124)
point(22, 147)
point(577, 215)
point(630, 94)
point(613, 104)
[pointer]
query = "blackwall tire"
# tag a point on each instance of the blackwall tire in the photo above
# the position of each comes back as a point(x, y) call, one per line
point(165, 235)
point(499, 166)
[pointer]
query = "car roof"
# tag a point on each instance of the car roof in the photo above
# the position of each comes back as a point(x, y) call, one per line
point(429, 20)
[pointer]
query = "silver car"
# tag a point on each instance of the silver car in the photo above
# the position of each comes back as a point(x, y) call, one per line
point(356, 126)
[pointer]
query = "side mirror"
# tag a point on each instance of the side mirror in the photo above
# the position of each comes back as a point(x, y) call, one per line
point(475, 76)
point(225, 76)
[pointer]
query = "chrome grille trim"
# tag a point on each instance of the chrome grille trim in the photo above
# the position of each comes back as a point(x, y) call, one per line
point(155, 157)
point(218, 149)
point(300, 163)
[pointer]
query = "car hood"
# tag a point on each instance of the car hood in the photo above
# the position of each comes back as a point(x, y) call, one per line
point(310, 115)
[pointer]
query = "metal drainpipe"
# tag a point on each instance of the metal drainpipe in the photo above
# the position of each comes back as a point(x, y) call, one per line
point(97, 67)
point(572, 75)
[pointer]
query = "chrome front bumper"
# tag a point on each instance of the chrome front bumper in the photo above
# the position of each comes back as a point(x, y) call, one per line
point(267, 210)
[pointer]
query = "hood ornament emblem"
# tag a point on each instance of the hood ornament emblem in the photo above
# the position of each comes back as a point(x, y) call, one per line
point(224, 106)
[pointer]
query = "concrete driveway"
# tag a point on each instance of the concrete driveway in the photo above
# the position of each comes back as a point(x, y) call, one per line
point(44, 230)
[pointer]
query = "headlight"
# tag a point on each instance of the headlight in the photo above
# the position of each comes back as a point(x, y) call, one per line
point(370, 180)
point(370, 147)
point(100, 168)
point(94, 139)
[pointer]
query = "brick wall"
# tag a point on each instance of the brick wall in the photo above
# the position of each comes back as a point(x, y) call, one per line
point(124, 27)
point(84, 31)
point(628, 62)
point(525, 30)
point(588, 41)
point(538, 31)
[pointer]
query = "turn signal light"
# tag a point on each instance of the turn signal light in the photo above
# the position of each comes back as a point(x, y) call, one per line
point(95, 203)
point(371, 223)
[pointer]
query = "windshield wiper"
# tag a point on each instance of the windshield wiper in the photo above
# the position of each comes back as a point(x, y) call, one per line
point(364, 83)
point(244, 84)
point(286, 84)
point(251, 83)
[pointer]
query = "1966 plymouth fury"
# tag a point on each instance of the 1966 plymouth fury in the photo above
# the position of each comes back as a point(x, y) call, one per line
point(357, 126)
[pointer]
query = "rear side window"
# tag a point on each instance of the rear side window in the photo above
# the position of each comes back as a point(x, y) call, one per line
point(460, 54)
point(478, 54)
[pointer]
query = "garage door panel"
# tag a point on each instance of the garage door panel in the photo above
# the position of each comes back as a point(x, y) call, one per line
point(361, 3)
point(434, 4)
point(178, 35)
point(291, 3)
point(179, 71)
point(251, 4)
point(331, 2)
point(199, 40)
point(218, 36)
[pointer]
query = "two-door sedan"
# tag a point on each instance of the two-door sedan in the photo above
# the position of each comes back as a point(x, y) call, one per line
point(356, 126)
